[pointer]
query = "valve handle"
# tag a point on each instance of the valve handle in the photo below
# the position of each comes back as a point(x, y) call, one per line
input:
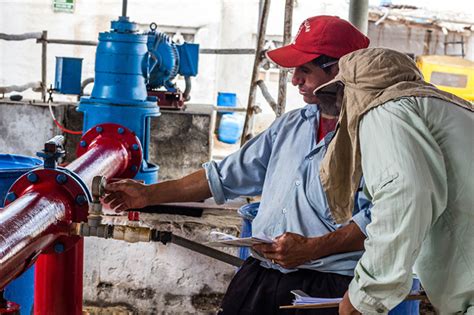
point(98, 187)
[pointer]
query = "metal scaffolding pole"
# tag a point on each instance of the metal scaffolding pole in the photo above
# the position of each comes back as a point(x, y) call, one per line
point(359, 14)
point(44, 65)
point(283, 78)
point(253, 83)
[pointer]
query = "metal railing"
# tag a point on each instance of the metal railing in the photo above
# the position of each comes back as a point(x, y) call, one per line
point(42, 38)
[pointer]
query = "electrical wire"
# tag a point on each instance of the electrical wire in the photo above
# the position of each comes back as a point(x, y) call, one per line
point(72, 132)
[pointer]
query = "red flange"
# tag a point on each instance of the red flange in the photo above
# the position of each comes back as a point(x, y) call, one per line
point(56, 180)
point(110, 134)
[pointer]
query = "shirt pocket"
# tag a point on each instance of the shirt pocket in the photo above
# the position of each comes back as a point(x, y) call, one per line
point(385, 179)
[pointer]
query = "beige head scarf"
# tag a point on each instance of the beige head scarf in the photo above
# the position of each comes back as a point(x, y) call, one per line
point(371, 77)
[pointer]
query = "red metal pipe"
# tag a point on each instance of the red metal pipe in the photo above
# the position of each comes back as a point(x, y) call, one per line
point(27, 227)
point(58, 281)
point(58, 276)
point(38, 222)
point(105, 157)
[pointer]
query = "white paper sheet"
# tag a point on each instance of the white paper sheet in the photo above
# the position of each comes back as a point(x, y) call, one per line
point(226, 240)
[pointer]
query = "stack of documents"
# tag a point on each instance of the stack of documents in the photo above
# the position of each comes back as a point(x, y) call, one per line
point(302, 298)
point(226, 240)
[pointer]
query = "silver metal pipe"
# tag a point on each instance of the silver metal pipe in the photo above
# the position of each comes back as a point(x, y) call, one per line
point(359, 14)
point(134, 234)
point(187, 88)
point(85, 83)
point(124, 7)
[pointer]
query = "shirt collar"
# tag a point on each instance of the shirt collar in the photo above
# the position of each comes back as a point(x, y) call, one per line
point(309, 111)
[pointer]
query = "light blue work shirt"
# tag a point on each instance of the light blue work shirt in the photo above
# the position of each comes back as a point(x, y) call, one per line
point(282, 165)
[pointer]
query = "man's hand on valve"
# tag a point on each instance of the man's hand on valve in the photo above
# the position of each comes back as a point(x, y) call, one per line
point(126, 194)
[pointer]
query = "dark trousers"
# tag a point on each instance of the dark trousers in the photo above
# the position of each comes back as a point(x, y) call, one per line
point(258, 290)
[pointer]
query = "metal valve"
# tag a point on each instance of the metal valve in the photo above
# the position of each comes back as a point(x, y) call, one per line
point(53, 151)
point(95, 210)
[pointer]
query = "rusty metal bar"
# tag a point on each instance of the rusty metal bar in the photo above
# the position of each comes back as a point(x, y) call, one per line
point(228, 51)
point(18, 37)
point(253, 83)
point(206, 250)
point(70, 42)
point(229, 109)
point(44, 64)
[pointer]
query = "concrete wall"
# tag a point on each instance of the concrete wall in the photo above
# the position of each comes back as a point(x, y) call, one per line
point(140, 278)
point(146, 278)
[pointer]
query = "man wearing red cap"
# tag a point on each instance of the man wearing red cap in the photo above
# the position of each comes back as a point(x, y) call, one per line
point(310, 251)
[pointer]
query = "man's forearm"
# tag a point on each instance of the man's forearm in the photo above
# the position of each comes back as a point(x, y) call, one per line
point(346, 239)
point(193, 187)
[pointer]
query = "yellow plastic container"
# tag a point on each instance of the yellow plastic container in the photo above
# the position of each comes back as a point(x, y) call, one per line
point(451, 74)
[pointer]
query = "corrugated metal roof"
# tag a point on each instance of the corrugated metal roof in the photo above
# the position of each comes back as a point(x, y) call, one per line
point(446, 21)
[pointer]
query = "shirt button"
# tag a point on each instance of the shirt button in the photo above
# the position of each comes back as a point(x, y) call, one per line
point(380, 310)
point(297, 183)
point(284, 211)
point(311, 157)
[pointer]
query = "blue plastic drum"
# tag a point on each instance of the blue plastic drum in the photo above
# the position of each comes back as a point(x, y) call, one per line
point(230, 128)
point(21, 290)
point(408, 307)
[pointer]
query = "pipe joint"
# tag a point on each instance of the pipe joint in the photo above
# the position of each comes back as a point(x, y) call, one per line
point(108, 136)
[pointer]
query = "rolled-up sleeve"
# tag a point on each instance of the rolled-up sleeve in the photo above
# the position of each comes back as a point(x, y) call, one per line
point(243, 172)
point(405, 174)
point(362, 219)
point(363, 205)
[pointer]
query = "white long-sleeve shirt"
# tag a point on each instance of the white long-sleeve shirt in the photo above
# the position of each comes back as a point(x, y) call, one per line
point(418, 165)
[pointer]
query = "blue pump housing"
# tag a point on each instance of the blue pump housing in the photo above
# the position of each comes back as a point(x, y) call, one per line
point(119, 94)
point(127, 64)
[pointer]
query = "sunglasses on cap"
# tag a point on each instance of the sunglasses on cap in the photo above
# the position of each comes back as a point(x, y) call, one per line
point(323, 66)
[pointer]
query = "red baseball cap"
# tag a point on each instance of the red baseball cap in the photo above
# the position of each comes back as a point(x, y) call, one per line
point(319, 35)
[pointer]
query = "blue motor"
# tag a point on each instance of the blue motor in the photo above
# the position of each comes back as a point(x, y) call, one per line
point(169, 59)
